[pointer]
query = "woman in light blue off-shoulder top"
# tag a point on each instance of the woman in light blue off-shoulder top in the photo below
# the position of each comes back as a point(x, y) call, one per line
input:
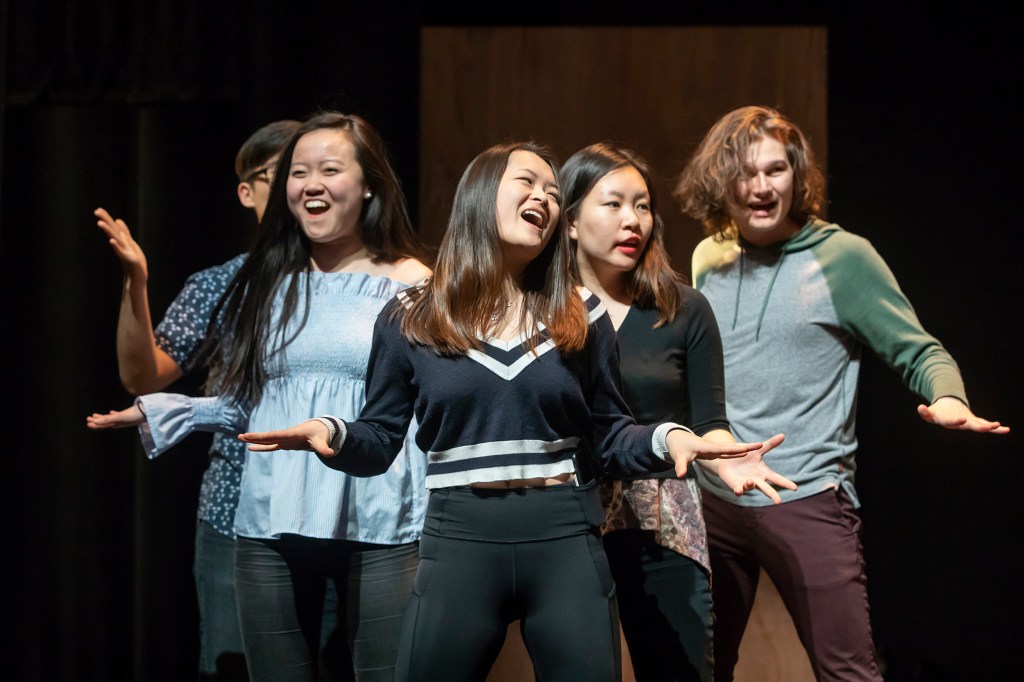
point(294, 336)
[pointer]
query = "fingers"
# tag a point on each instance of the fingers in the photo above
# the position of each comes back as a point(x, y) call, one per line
point(959, 417)
point(261, 438)
point(780, 481)
point(772, 494)
point(984, 426)
point(260, 447)
point(110, 420)
point(735, 450)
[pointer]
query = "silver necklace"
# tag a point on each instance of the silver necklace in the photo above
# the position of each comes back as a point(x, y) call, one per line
point(500, 313)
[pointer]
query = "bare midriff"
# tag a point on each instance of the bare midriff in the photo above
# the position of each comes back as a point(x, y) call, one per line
point(561, 479)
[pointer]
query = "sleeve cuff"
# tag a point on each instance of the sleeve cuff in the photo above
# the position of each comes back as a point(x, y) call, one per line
point(338, 431)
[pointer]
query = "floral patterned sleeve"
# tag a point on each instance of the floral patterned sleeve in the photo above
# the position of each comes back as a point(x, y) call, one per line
point(183, 329)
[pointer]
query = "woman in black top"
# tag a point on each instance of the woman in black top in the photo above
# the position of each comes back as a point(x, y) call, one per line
point(671, 364)
point(512, 375)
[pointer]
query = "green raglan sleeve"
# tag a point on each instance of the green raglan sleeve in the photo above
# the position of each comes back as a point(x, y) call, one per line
point(872, 307)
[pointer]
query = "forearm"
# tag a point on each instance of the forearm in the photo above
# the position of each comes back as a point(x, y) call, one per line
point(360, 448)
point(143, 367)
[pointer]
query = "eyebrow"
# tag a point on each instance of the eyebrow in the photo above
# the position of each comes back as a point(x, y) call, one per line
point(622, 195)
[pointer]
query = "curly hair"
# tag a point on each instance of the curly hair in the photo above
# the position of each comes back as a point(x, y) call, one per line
point(708, 182)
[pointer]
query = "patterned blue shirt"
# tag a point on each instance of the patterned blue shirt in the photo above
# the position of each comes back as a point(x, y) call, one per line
point(180, 334)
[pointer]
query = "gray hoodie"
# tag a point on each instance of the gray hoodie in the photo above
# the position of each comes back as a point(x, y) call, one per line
point(794, 318)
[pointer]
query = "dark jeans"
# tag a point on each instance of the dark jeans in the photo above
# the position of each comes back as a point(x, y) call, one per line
point(811, 550)
point(665, 606)
point(220, 638)
point(281, 586)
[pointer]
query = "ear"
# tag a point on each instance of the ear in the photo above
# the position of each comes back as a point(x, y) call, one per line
point(573, 231)
point(245, 195)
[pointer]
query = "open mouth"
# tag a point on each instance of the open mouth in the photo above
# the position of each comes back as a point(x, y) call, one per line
point(316, 206)
point(629, 245)
point(763, 206)
point(535, 217)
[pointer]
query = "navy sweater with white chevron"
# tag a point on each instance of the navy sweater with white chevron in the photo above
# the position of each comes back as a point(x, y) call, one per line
point(501, 412)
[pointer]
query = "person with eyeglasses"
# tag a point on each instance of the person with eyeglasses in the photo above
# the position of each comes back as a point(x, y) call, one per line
point(150, 360)
point(291, 338)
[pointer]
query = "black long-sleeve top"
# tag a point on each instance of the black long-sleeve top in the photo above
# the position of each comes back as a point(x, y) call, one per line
point(501, 412)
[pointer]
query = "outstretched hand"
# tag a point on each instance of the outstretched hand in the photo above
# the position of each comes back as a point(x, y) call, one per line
point(684, 447)
point(749, 472)
point(115, 419)
point(309, 435)
point(950, 413)
point(133, 259)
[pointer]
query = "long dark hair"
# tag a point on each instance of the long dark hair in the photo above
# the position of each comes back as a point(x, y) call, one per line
point(244, 332)
point(470, 279)
point(652, 282)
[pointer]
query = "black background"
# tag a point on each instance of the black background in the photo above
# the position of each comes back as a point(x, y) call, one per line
point(140, 107)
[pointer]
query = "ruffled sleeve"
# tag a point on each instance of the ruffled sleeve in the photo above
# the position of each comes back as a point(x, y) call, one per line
point(172, 416)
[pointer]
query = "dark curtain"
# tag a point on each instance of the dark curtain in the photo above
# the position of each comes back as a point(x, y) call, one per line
point(139, 108)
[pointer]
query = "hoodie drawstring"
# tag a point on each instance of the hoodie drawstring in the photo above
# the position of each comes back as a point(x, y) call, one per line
point(767, 294)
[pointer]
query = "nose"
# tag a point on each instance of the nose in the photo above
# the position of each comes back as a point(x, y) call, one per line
point(760, 183)
point(313, 185)
point(630, 220)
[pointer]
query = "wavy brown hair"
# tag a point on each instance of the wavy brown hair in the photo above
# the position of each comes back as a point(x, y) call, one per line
point(708, 182)
point(470, 279)
point(653, 282)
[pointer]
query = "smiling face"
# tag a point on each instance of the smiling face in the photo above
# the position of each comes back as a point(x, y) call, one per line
point(325, 188)
point(613, 225)
point(763, 195)
point(527, 207)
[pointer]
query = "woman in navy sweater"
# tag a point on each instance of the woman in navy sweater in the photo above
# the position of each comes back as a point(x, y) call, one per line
point(512, 375)
point(671, 364)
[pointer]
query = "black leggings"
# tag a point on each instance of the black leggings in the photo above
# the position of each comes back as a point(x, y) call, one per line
point(542, 563)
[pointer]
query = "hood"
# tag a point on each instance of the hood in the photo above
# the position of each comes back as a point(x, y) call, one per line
point(813, 233)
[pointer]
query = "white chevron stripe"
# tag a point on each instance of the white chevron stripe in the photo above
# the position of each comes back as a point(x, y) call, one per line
point(501, 447)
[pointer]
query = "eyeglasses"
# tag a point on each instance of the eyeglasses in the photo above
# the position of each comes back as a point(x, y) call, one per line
point(265, 173)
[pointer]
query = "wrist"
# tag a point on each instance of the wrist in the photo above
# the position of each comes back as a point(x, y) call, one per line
point(669, 436)
point(336, 431)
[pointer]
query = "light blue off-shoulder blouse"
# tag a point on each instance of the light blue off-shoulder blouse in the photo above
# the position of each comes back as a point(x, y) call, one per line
point(321, 371)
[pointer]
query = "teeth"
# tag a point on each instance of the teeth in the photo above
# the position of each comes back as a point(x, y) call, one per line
point(316, 203)
point(533, 217)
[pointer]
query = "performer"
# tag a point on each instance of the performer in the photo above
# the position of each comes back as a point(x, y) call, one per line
point(337, 244)
point(797, 300)
point(671, 363)
point(151, 360)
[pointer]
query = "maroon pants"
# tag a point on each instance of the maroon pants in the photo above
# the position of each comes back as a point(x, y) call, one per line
point(811, 550)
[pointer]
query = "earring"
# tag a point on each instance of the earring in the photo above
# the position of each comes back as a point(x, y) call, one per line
point(368, 194)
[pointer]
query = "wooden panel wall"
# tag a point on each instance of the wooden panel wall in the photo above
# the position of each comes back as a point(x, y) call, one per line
point(656, 89)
